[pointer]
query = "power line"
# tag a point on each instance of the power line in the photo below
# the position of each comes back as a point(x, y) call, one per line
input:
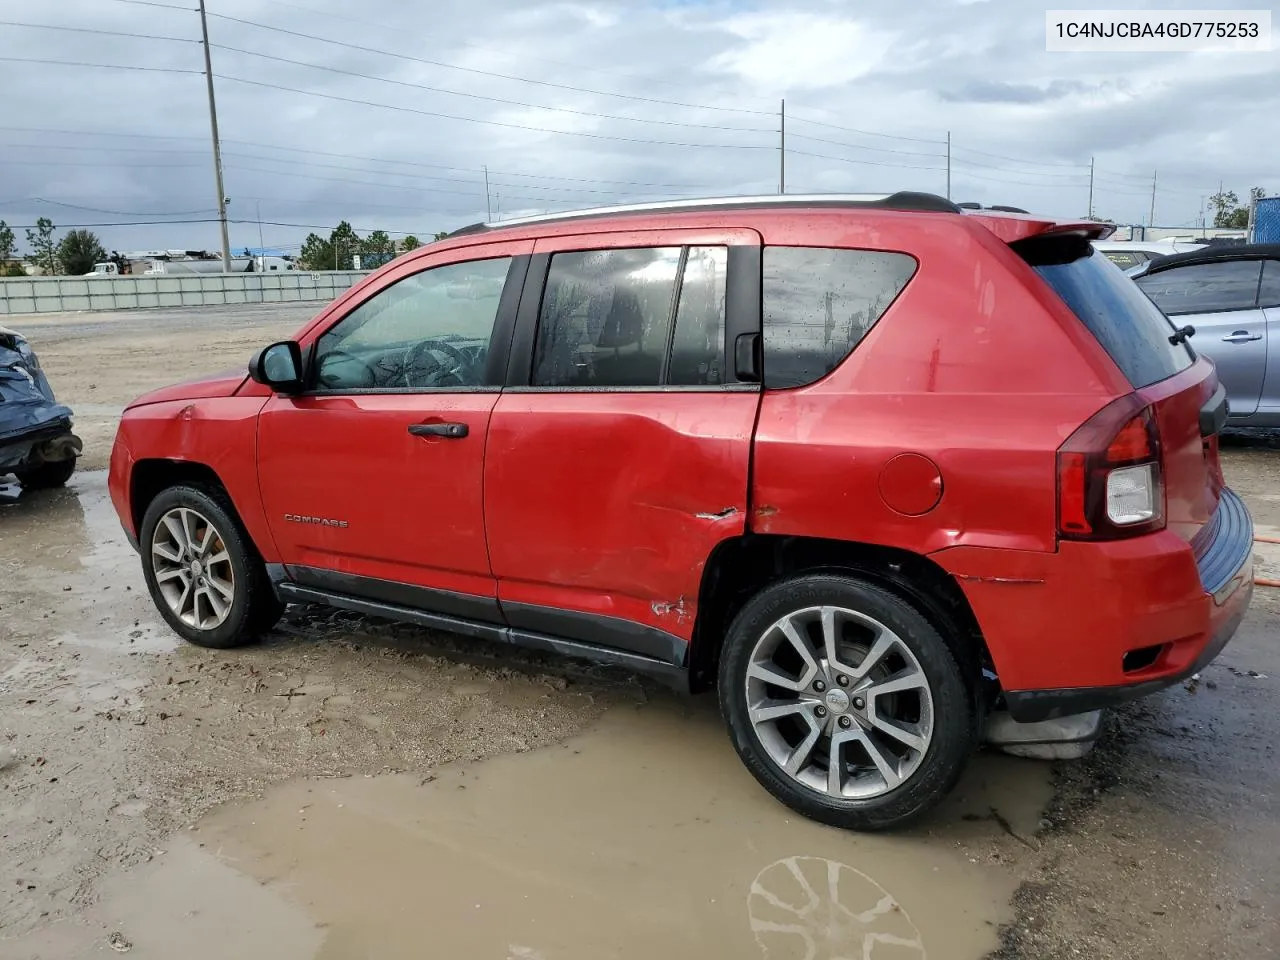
point(858, 146)
point(94, 30)
point(478, 46)
point(162, 6)
point(865, 133)
point(479, 96)
point(1037, 163)
point(475, 181)
point(114, 213)
point(77, 148)
point(100, 66)
point(493, 123)
point(871, 163)
point(489, 73)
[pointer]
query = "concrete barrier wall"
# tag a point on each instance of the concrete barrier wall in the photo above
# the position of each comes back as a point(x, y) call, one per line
point(59, 294)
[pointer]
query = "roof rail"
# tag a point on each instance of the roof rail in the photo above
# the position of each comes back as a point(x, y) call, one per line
point(970, 205)
point(902, 200)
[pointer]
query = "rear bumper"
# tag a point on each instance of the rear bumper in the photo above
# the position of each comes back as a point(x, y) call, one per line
point(42, 444)
point(1096, 624)
point(1030, 706)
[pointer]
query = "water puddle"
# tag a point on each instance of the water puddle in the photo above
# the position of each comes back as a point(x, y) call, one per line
point(642, 838)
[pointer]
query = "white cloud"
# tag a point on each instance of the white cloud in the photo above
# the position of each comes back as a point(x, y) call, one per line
point(793, 50)
point(700, 80)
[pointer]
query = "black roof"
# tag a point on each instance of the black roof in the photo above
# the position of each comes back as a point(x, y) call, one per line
point(1215, 252)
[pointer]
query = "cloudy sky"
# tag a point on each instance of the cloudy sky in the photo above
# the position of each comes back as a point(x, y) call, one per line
point(388, 120)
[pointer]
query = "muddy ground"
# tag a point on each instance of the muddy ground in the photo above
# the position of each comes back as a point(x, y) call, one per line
point(353, 788)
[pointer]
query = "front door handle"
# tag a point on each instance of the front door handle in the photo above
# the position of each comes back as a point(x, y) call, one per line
point(450, 431)
point(1242, 336)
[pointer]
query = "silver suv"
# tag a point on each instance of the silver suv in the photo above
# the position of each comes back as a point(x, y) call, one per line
point(1231, 295)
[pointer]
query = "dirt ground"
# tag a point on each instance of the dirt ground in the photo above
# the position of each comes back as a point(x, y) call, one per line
point(355, 788)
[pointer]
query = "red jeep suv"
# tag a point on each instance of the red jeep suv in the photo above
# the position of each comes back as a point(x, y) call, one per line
point(844, 458)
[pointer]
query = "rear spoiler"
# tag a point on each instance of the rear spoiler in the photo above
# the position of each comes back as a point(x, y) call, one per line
point(1012, 227)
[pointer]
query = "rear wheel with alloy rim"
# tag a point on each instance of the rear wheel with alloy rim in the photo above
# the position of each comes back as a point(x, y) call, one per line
point(203, 573)
point(845, 702)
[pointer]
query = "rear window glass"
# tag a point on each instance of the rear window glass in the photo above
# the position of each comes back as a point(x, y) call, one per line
point(1127, 325)
point(819, 303)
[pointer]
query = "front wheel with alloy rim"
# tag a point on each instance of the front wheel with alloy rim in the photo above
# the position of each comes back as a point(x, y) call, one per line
point(204, 575)
point(845, 702)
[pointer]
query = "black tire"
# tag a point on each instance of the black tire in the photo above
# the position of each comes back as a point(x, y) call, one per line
point(52, 473)
point(955, 726)
point(254, 606)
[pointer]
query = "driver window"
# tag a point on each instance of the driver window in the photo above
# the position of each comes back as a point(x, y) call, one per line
point(427, 331)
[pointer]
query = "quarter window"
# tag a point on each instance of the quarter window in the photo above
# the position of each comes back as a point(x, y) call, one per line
point(633, 317)
point(430, 330)
point(1205, 287)
point(819, 303)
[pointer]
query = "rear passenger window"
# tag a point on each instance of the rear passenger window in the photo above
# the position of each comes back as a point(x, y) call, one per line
point(1204, 287)
point(819, 303)
point(635, 317)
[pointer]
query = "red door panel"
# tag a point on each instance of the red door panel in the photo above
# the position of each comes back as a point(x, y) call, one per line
point(408, 508)
point(610, 503)
point(607, 501)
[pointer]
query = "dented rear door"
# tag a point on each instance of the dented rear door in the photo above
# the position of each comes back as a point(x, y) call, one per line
point(618, 454)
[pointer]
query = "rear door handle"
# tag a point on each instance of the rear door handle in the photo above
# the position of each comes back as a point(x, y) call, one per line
point(451, 431)
point(1242, 336)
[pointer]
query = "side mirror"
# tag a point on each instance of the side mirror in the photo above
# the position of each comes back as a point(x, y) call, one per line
point(278, 366)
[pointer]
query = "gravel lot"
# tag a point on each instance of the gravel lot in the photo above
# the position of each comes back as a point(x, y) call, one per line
point(357, 788)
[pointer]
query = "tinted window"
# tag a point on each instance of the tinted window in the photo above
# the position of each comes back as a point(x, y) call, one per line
point(1204, 287)
point(1124, 259)
point(426, 331)
point(1125, 322)
point(819, 303)
point(1269, 293)
point(697, 349)
point(606, 318)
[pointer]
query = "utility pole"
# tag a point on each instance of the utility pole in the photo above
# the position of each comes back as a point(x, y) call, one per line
point(1151, 219)
point(782, 148)
point(217, 150)
point(948, 164)
point(257, 206)
point(1090, 214)
point(488, 210)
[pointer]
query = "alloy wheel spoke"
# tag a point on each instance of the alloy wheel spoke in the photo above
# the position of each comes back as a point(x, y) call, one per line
point(167, 552)
point(801, 646)
point(769, 710)
point(835, 765)
point(888, 770)
point(164, 576)
point(189, 528)
point(176, 533)
point(216, 603)
point(759, 671)
point(209, 534)
point(803, 750)
point(910, 679)
point(884, 643)
point(220, 557)
point(222, 587)
point(903, 735)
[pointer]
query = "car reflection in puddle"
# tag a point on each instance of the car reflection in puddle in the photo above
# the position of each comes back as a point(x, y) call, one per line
point(812, 908)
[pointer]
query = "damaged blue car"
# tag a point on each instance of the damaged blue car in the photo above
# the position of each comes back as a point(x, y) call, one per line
point(36, 442)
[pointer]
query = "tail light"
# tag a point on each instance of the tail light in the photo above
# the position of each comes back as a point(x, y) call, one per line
point(1110, 483)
